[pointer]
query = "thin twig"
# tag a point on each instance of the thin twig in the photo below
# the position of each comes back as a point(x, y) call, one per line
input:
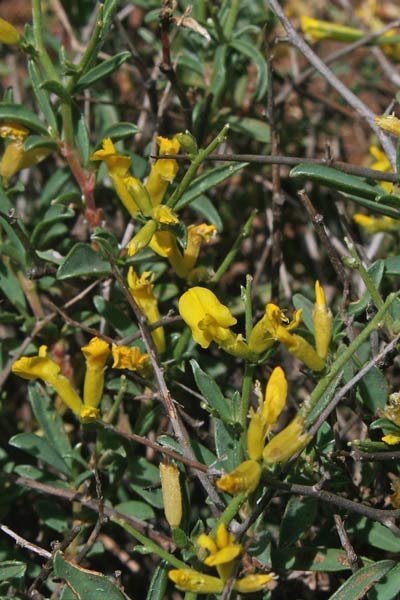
point(346, 544)
point(298, 41)
point(25, 544)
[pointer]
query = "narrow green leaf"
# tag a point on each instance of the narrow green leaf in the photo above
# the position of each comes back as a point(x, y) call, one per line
point(300, 301)
point(11, 288)
point(10, 569)
point(310, 559)
point(375, 271)
point(218, 76)
point(55, 87)
point(208, 180)
point(87, 584)
point(102, 70)
point(211, 392)
point(14, 243)
point(55, 214)
point(373, 390)
point(362, 581)
point(83, 260)
point(158, 583)
point(42, 96)
point(335, 179)
point(33, 142)
point(227, 445)
point(81, 136)
point(299, 515)
point(41, 449)
point(251, 52)
point(388, 587)
point(49, 420)
point(206, 209)
point(27, 118)
point(119, 131)
point(135, 508)
point(254, 128)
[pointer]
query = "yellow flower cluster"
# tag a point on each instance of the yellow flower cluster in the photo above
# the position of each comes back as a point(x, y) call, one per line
point(210, 320)
point(292, 439)
point(96, 354)
point(222, 553)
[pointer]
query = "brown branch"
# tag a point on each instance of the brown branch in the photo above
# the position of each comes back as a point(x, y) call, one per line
point(353, 100)
point(346, 544)
point(25, 544)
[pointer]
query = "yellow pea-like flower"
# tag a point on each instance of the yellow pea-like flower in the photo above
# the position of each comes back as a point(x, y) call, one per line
point(163, 170)
point(8, 34)
point(301, 349)
point(322, 321)
point(245, 478)
point(141, 289)
point(287, 442)
point(189, 580)
point(252, 583)
point(130, 358)
point(96, 354)
point(389, 123)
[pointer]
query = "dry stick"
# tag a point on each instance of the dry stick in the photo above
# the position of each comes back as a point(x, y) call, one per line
point(92, 504)
point(177, 425)
point(293, 161)
point(386, 517)
point(346, 544)
point(37, 328)
point(25, 543)
point(302, 77)
point(343, 90)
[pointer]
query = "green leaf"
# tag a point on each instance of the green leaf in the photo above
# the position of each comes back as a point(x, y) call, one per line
point(373, 390)
point(42, 96)
point(227, 445)
point(310, 559)
point(82, 260)
point(81, 135)
point(119, 131)
point(211, 392)
point(86, 584)
point(158, 583)
point(206, 209)
point(55, 214)
point(218, 75)
point(11, 569)
point(27, 118)
point(251, 52)
point(144, 476)
point(14, 248)
point(300, 301)
point(208, 180)
point(332, 178)
point(41, 449)
point(392, 265)
point(299, 515)
point(388, 587)
point(56, 88)
point(52, 515)
point(362, 580)
point(135, 508)
point(49, 420)
point(102, 70)
point(11, 288)
point(254, 128)
point(33, 142)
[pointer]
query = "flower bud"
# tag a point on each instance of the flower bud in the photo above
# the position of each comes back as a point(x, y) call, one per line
point(322, 321)
point(287, 442)
point(171, 492)
point(188, 142)
point(245, 478)
point(8, 33)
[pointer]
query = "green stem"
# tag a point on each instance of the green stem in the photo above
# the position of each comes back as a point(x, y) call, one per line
point(357, 264)
point(148, 543)
point(234, 250)
point(234, 6)
point(229, 512)
point(218, 27)
point(39, 42)
point(181, 344)
point(191, 172)
point(345, 357)
point(248, 307)
point(109, 418)
point(244, 405)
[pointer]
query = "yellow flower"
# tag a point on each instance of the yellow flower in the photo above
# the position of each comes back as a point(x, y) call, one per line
point(315, 29)
point(117, 165)
point(141, 289)
point(13, 130)
point(222, 552)
point(189, 580)
point(163, 170)
point(130, 358)
point(142, 238)
point(264, 332)
point(322, 321)
point(15, 158)
point(287, 442)
point(391, 439)
point(275, 396)
point(42, 367)
point(164, 215)
point(210, 321)
point(389, 123)
point(95, 353)
point(300, 348)
point(164, 243)
point(8, 33)
point(171, 492)
point(262, 421)
point(382, 163)
point(252, 583)
point(374, 224)
point(245, 478)
point(139, 194)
